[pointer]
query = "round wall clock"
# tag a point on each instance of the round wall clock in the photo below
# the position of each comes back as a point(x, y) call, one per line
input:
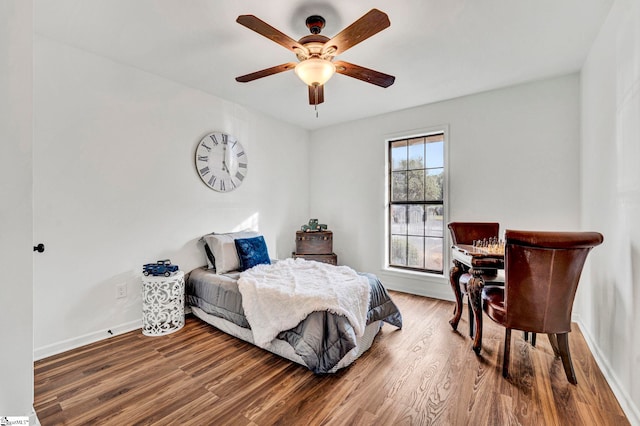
point(221, 162)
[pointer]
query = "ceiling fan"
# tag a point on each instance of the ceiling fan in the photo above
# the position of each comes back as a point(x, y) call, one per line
point(316, 52)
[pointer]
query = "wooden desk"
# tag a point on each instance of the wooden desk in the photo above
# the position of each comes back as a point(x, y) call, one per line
point(467, 259)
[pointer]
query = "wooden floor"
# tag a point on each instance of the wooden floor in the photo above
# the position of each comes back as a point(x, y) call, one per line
point(423, 374)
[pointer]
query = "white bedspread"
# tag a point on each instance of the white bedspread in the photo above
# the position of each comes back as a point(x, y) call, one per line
point(279, 296)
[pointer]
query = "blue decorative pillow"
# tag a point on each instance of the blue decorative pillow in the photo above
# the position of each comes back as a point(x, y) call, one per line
point(252, 252)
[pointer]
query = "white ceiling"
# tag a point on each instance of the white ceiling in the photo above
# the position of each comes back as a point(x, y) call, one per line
point(437, 49)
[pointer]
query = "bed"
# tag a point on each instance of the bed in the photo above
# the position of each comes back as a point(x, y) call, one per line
point(318, 315)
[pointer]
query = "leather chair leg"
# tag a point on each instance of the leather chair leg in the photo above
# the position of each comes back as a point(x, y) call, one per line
point(471, 321)
point(533, 338)
point(554, 344)
point(507, 351)
point(563, 346)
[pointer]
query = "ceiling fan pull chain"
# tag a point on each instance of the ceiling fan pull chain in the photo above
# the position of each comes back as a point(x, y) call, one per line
point(316, 102)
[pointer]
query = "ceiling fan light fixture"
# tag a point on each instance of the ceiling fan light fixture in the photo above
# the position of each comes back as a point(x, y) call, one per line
point(315, 71)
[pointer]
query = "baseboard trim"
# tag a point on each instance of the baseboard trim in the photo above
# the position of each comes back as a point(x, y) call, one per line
point(630, 409)
point(33, 418)
point(76, 342)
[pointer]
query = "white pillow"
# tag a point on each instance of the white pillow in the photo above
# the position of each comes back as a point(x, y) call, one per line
point(224, 251)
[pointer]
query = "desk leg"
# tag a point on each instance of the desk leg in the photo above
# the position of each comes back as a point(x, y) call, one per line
point(455, 273)
point(474, 289)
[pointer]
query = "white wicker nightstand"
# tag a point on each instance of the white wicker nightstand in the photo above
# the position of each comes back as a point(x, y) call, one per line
point(162, 304)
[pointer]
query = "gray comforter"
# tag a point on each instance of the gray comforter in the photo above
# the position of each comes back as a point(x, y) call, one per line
point(321, 340)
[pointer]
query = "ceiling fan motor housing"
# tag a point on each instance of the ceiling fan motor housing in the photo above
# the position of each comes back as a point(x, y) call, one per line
point(315, 23)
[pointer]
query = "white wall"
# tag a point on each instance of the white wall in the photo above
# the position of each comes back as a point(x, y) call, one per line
point(609, 298)
point(110, 142)
point(512, 156)
point(115, 187)
point(16, 231)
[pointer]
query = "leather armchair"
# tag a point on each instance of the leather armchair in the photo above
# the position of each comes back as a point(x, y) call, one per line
point(467, 232)
point(459, 276)
point(542, 270)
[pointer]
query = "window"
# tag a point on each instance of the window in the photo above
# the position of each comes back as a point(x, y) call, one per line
point(416, 203)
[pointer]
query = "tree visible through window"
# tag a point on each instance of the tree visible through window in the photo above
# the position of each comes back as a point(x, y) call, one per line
point(416, 203)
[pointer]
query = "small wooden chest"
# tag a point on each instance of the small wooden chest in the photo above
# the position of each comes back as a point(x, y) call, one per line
point(320, 242)
point(331, 259)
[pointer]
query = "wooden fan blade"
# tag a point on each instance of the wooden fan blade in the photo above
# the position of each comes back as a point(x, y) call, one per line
point(269, 32)
point(370, 24)
point(266, 72)
point(316, 95)
point(365, 74)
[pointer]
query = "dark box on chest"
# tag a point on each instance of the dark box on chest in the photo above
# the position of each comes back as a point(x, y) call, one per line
point(320, 242)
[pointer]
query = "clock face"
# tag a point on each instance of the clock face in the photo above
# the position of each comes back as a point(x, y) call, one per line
point(221, 162)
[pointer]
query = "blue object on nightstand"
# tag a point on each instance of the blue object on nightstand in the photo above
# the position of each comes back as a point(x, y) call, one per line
point(161, 267)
